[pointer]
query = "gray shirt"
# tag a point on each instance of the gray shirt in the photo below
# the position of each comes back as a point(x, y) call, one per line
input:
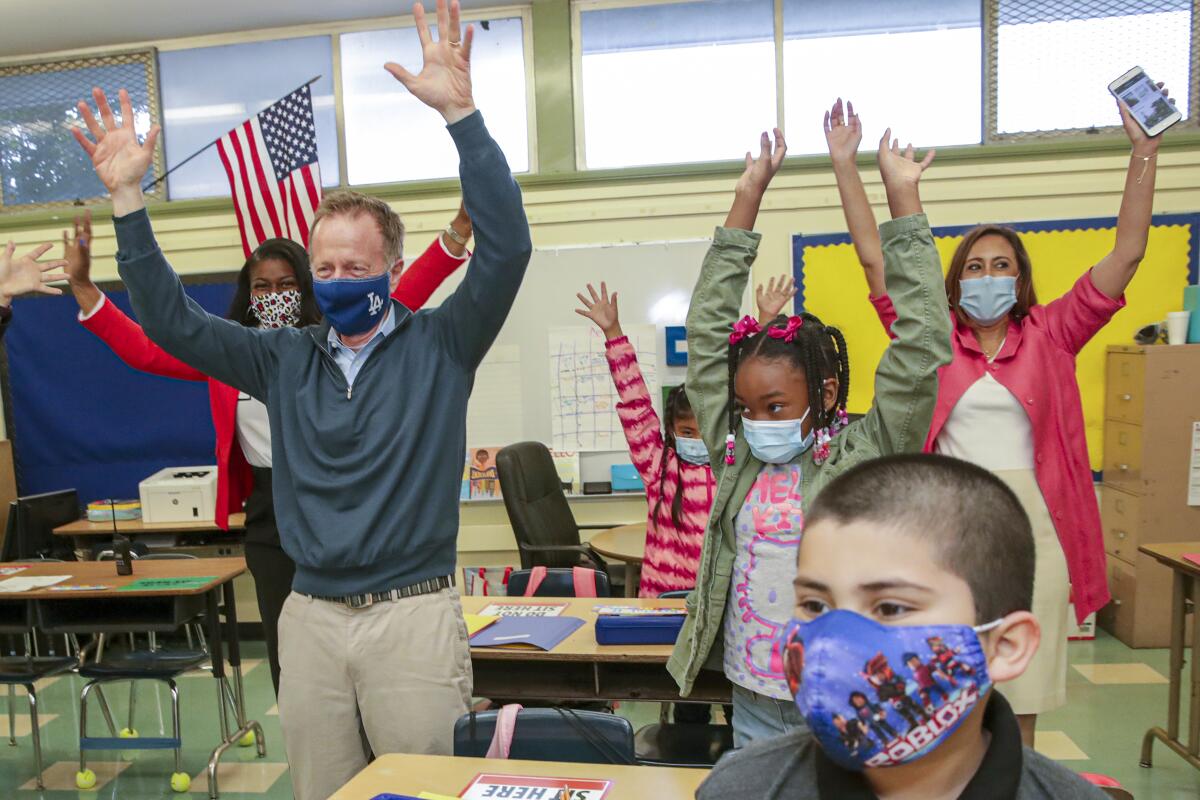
point(792, 767)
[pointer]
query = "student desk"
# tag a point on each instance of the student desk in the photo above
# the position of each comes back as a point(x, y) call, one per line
point(111, 611)
point(626, 543)
point(1185, 590)
point(580, 669)
point(410, 774)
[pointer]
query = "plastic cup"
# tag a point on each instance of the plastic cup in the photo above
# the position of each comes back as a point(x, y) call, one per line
point(1177, 326)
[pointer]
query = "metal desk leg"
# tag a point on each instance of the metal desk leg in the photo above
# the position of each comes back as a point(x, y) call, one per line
point(235, 661)
point(1194, 712)
point(1183, 587)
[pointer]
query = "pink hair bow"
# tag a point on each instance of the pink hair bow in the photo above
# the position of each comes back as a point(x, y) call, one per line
point(745, 327)
point(788, 331)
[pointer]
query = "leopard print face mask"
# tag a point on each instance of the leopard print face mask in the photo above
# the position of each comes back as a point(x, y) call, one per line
point(277, 309)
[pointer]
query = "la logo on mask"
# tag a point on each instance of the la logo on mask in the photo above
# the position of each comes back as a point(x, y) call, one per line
point(374, 303)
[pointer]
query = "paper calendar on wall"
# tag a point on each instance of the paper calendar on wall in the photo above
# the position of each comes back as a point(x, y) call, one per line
point(583, 400)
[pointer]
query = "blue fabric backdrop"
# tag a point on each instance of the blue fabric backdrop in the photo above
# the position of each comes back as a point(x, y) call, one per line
point(82, 419)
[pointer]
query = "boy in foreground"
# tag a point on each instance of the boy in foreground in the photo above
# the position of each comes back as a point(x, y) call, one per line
point(899, 555)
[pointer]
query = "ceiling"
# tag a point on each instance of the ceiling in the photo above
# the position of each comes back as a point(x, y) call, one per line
point(31, 27)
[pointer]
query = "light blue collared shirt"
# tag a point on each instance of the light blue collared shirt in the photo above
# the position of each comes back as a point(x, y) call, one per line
point(350, 361)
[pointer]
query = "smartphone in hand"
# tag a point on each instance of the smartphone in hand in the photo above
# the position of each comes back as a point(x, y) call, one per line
point(1152, 110)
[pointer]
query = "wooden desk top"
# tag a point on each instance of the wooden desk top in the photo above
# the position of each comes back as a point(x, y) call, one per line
point(412, 774)
point(104, 573)
point(580, 645)
point(1171, 555)
point(135, 527)
point(626, 543)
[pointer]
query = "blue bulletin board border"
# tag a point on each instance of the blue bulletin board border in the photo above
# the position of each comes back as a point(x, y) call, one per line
point(1191, 221)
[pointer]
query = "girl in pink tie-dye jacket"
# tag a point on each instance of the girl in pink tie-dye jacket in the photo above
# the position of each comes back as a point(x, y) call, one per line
point(671, 459)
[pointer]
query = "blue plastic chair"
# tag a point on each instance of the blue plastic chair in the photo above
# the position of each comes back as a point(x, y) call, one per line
point(559, 582)
point(551, 734)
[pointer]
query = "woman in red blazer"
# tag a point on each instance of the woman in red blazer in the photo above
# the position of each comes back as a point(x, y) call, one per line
point(274, 288)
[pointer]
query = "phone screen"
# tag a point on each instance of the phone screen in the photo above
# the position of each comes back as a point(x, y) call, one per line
point(1145, 100)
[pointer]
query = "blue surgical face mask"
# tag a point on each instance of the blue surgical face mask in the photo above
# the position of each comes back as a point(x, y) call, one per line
point(988, 299)
point(880, 695)
point(354, 305)
point(692, 451)
point(777, 441)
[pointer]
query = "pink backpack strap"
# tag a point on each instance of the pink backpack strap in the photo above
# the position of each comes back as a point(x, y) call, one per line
point(536, 576)
point(585, 581)
point(506, 726)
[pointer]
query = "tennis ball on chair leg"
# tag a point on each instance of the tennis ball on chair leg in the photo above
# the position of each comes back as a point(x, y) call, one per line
point(85, 779)
point(180, 782)
point(247, 740)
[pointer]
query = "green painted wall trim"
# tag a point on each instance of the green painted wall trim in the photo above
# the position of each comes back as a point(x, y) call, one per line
point(554, 92)
point(1100, 145)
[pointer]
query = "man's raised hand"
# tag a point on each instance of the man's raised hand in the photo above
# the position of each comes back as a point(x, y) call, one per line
point(444, 83)
point(119, 159)
point(27, 275)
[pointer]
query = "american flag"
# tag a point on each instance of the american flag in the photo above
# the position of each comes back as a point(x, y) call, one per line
point(271, 161)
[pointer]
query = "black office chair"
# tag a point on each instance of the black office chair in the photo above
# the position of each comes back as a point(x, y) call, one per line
point(551, 734)
point(558, 583)
point(546, 531)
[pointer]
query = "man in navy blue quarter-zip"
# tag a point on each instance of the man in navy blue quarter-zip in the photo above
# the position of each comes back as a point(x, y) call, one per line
point(368, 430)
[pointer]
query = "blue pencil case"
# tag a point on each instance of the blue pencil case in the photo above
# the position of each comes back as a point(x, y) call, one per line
point(615, 629)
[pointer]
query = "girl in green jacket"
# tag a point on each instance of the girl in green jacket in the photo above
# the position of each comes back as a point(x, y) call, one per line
point(770, 403)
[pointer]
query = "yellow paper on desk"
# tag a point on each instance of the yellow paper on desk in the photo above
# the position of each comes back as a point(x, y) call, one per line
point(435, 796)
point(477, 622)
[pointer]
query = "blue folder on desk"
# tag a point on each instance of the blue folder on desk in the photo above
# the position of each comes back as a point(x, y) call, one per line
point(544, 633)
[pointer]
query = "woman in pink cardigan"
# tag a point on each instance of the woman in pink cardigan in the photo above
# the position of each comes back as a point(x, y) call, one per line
point(1009, 400)
point(671, 459)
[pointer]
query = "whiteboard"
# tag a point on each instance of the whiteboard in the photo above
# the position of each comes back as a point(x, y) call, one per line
point(654, 285)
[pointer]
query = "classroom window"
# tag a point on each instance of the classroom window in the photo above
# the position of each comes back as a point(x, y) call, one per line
point(209, 90)
point(676, 82)
point(391, 136)
point(913, 65)
point(40, 163)
point(1056, 58)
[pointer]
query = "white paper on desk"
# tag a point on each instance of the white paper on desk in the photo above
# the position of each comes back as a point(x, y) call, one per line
point(24, 584)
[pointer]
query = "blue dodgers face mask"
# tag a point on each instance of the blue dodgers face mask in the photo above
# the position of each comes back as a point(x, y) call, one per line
point(353, 305)
point(880, 695)
point(692, 451)
point(777, 442)
point(986, 300)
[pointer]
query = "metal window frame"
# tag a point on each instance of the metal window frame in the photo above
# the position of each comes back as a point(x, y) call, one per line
point(990, 23)
point(578, 7)
point(147, 57)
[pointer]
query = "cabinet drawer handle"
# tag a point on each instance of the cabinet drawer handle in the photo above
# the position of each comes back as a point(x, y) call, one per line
point(1120, 534)
point(1126, 397)
point(1116, 601)
point(1123, 467)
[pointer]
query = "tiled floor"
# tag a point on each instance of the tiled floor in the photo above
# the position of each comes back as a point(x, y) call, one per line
point(1115, 695)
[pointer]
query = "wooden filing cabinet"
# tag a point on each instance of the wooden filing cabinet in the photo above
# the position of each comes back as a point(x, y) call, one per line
point(1152, 399)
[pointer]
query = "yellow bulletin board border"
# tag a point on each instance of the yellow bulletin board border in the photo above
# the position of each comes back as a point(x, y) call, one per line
point(835, 289)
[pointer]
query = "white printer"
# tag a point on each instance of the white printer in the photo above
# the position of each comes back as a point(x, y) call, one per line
point(180, 494)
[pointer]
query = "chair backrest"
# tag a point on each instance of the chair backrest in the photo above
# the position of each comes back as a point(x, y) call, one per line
point(675, 594)
point(36, 518)
point(551, 734)
point(166, 556)
point(537, 507)
point(559, 582)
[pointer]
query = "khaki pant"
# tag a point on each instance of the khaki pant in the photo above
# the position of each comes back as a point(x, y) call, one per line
point(390, 678)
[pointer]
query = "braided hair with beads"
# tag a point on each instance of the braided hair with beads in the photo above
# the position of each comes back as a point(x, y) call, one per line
point(807, 344)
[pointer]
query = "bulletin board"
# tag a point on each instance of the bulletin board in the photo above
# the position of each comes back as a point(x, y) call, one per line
point(832, 286)
point(80, 418)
